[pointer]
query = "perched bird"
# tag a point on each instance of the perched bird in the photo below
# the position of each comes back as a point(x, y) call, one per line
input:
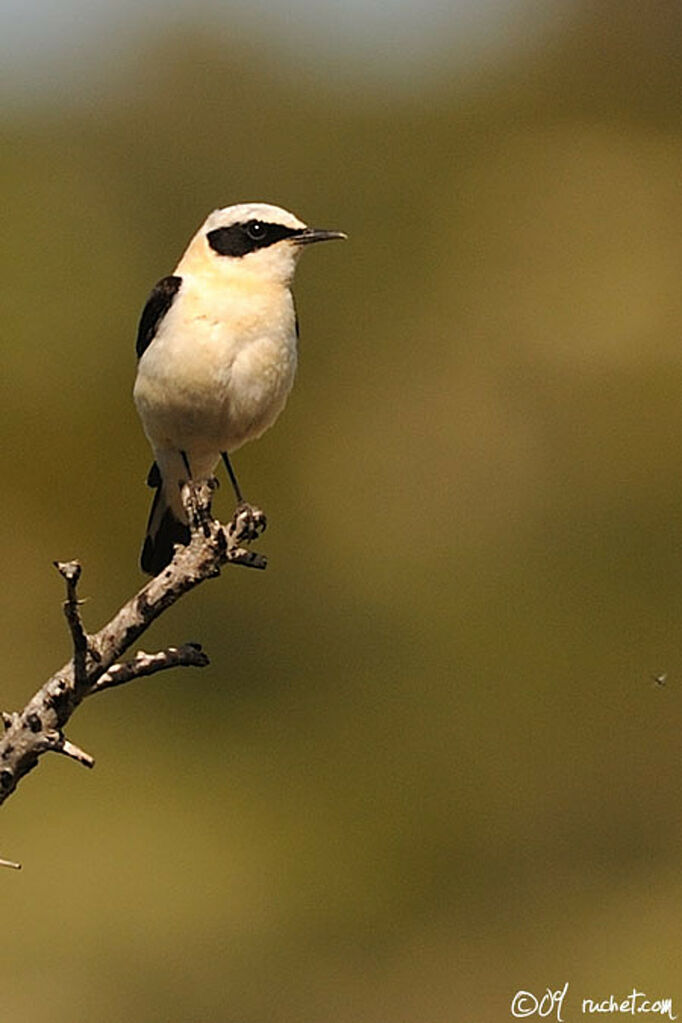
point(217, 356)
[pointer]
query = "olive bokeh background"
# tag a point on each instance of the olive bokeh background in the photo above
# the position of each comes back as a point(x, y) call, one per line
point(429, 764)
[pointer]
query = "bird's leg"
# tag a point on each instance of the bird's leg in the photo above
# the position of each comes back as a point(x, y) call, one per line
point(202, 513)
point(233, 478)
point(248, 522)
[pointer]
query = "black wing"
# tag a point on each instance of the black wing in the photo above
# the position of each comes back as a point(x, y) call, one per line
point(158, 304)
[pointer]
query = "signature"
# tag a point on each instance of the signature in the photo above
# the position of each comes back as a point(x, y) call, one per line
point(551, 1003)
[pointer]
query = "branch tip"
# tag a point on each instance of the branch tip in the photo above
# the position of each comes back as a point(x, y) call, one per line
point(249, 559)
point(69, 570)
point(69, 749)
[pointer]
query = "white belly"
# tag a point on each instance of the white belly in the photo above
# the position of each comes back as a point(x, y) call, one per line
point(209, 384)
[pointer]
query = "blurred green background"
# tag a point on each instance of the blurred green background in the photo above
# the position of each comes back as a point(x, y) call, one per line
point(429, 764)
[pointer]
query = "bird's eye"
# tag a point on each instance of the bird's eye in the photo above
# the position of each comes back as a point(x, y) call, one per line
point(256, 230)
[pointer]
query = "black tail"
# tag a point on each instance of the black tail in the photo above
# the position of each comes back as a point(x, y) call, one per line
point(164, 529)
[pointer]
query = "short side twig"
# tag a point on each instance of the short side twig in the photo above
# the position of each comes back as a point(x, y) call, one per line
point(188, 656)
point(71, 572)
point(69, 749)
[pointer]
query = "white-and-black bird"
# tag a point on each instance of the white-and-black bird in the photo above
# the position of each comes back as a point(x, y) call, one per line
point(217, 355)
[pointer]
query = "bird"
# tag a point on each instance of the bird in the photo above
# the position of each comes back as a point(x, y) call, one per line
point(217, 354)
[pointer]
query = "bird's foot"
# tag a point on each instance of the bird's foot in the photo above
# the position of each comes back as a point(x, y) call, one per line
point(196, 497)
point(247, 523)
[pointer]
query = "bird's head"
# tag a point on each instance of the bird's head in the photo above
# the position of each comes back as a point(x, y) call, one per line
point(256, 239)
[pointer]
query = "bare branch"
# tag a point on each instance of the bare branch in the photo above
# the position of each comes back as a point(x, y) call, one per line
point(95, 665)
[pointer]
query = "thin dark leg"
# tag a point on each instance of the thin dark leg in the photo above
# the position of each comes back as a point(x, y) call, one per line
point(248, 522)
point(186, 462)
point(233, 478)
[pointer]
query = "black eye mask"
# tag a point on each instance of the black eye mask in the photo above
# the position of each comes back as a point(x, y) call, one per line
point(240, 239)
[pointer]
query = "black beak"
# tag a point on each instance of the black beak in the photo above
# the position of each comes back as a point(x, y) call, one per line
point(308, 235)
